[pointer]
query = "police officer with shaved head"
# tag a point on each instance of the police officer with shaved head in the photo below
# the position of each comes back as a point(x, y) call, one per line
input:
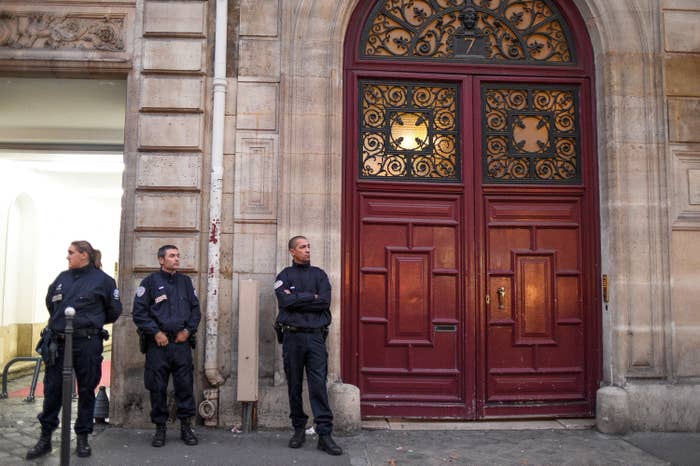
point(166, 313)
point(304, 298)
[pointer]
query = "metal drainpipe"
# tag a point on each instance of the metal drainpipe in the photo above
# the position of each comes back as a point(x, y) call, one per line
point(211, 360)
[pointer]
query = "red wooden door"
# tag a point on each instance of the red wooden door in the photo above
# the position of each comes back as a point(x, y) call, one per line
point(411, 305)
point(470, 236)
point(535, 332)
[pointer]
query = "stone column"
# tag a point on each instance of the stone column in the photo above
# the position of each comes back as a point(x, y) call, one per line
point(164, 188)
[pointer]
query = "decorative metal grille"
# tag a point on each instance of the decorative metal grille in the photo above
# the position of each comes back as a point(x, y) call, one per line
point(409, 131)
point(530, 134)
point(519, 31)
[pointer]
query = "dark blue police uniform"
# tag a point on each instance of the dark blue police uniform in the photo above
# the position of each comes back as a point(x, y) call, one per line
point(95, 297)
point(305, 316)
point(168, 303)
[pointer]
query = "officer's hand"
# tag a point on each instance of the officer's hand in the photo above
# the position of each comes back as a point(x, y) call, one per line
point(161, 339)
point(286, 291)
point(182, 335)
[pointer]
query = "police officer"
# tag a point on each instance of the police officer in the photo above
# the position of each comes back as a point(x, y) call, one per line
point(166, 312)
point(304, 298)
point(95, 297)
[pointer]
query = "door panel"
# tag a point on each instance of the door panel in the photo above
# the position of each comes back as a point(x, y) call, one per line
point(468, 296)
point(410, 322)
point(534, 331)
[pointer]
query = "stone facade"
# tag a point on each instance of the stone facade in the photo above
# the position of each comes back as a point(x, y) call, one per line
point(283, 176)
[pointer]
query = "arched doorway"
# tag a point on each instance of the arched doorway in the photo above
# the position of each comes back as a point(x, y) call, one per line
point(470, 234)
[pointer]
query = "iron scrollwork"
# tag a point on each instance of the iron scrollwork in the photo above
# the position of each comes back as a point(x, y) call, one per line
point(517, 31)
point(530, 135)
point(409, 131)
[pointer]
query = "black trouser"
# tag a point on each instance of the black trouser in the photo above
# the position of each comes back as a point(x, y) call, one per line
point(307, 350)
point(87, 364)
point(161, 362)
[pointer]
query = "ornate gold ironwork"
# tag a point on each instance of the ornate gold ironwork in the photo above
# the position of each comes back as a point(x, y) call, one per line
point(409, 131)
point(530, 135)
point(519, 31)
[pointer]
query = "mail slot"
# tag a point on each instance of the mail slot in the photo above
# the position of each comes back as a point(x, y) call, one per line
point(445, 328)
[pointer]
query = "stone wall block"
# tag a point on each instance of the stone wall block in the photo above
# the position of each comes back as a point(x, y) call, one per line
point(227, 213)
point(146, 249)
point(316, 59)
point(307, 139)
point(685, 203)
point(680, 31)
point(256, 176)
point(229, 163)
point(264, 248)
point(230, 135)
point(174, 55)
point(170, 132)
point(175, 18)
point(684, 120)
point(242, 252)
point(659, 407)
point(679, 70)
point(679, 4)
point(259, 59)
point(167, 211)
point(313, 96)
point(231, 95)
point(257, 106)
point(168, 171)
point(259, 17)
point(685, 263)
point(172, 93)
point(631, 124)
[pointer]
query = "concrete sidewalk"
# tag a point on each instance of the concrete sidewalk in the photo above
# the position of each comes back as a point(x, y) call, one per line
point(382, 443)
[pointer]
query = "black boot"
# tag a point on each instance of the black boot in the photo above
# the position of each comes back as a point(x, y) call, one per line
point(83, 449)
point(298, 438)
point(159, 436)
point(42, 447)
point(186, 433)
point(326, 443)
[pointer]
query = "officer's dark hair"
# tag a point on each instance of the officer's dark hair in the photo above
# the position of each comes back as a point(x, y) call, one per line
point(293, 241)
point(162, 249)
point(94, 255)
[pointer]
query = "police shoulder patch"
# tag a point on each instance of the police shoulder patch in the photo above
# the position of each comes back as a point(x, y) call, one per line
point(140, 291)
point(277, 284)
point(115, 293)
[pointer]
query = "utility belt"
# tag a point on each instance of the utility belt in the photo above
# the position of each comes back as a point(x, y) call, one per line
point(281, 328)
point(85, 333)
point(293, 329)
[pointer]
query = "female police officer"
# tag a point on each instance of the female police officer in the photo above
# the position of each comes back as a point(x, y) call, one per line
point(95, 297)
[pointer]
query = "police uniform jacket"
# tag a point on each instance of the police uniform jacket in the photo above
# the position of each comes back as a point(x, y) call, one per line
point(301, 308)
point(91, 292)
point(166, 302)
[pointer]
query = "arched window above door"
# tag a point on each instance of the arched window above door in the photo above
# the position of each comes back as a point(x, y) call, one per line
point(500, 31)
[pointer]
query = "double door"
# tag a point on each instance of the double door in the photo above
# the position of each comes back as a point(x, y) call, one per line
point(473, 294)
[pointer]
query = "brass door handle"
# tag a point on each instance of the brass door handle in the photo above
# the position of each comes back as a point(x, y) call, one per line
point(501, 297)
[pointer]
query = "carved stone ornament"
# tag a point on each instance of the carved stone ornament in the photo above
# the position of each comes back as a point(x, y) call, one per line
point(33, 30)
